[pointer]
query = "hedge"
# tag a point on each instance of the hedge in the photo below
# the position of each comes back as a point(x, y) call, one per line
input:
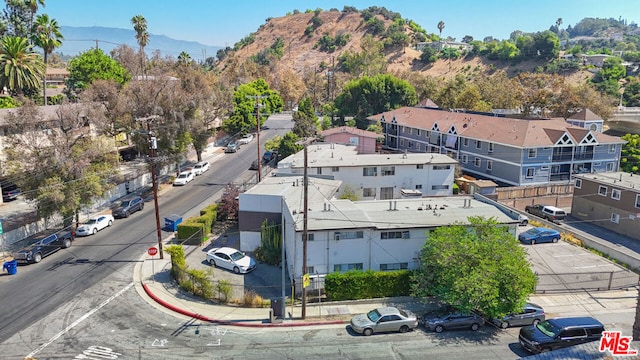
point(358, 284)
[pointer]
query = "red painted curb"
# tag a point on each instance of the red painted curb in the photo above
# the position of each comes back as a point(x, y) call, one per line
point(234, 323)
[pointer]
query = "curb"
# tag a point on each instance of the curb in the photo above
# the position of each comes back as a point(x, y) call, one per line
point(240, 323)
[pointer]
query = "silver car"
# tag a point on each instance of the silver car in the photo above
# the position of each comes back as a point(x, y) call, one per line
point(384, 319)
point(454, 321)
point(532, 314)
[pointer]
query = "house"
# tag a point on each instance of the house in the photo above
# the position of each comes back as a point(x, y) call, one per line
point(586, 119)
point(363, 140)
point(596, 60)
point(375, 176)
point(609, 200)
point(509, 151)
point(343, 234)
point(440, 45)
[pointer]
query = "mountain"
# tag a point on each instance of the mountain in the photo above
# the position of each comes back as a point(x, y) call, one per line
point(80, 39)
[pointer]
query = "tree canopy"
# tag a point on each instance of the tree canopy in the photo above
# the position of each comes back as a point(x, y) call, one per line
point(245, 99)
point(92, 65)
point(479, 266)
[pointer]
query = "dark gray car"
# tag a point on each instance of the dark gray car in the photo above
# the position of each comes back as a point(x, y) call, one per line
point(128, 207)
point(454, 321)
point(532, 314)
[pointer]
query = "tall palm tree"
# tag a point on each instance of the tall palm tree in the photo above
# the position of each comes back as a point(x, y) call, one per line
point(46, 35)
point(20, 66)
point(140, 26)
point(32, 5)
point(184, 58)
point(440, 28)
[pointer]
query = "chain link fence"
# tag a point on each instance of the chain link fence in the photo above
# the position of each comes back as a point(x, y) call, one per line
point(591, 281)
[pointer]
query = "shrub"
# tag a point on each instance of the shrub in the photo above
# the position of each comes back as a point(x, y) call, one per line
point(223, 287)
point(358, 284)
point(252, 299)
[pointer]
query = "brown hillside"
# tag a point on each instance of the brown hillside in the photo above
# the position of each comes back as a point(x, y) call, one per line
point(300, 54)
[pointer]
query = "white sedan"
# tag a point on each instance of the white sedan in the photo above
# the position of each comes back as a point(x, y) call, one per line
point(183, 178)
point(94, 224)
point(231, 259)
point(201, 167)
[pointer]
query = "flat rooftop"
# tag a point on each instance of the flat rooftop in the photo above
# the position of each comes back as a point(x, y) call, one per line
point(619, 179)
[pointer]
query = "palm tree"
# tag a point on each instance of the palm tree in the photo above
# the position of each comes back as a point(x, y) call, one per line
point(20, 66)
point(46, 35)
point(184, 58)
point(32, 5)
point(140, 26)
point(441, 27)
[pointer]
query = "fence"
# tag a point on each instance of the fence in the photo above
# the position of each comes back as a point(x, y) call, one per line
point(591, 281)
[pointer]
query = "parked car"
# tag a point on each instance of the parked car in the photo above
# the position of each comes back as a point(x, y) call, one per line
point(94, 224)
point(246, 139)
point(44, 244)
point(539, 235)
point(547, 212)
point(268, 156)
point(254, 165)
point(201, 167)
point(384, 319)
point(10, 191)
point(455, 320)
point(532, 314)
point(559, 333)
point(183, 178)
point(231, 259)
point(232, 148)
point(523, 220)
point(128, 207)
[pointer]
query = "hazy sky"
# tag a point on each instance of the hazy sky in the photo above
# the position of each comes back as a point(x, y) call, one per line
point(223, 23)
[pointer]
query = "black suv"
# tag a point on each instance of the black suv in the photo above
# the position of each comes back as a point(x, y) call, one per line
point(44, 244)
point(128, 207)
point(558, 333)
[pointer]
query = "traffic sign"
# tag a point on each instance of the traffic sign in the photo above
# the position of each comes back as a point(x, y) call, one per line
point(152, 251)
point(306, 280)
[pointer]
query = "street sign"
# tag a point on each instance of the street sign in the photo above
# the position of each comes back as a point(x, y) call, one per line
point(306, 280)
point(152, 251)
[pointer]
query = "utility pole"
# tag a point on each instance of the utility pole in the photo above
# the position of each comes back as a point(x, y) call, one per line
point(258, 97)
point(153, 146)
point(305, 221)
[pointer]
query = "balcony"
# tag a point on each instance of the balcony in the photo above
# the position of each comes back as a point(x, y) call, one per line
point(562, 157)
point(584, 156)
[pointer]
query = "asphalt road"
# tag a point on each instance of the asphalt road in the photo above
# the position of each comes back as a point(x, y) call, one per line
point(106, 260)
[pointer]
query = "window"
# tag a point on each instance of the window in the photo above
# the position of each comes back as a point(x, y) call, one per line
point(335, 169)
point(370, 171)
point(386, 193)
point(441, 167)
point(465, 159)
point(310, 237)
point(612, 148)
point(347, 267)
point(410, 144)
point(319, 171)
point(489, 165)
point(533, 153)
point(578, 183)
point(602, 190)
point(477, 162)
point(395, 266)
point(410, 131)
point(478, 144)
point(342, 235)
point(615, 218)
point(638, 200)
point(401, 142)
point(403, 129)
point(615, 194)
point(388, 170)
point(418, 132)
point(311, 270)
point(420, 166)
point(369, 192)
point(530, 172)
point(490, 147)
point(394, 235)
point(418, 146)
point(439, 187)
point(419, 187)
point(465, 141)
point(609, 166)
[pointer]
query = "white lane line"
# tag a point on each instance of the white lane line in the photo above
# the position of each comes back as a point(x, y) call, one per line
point(81, 319)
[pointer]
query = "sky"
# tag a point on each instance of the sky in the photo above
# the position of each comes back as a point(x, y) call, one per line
point(223, 23)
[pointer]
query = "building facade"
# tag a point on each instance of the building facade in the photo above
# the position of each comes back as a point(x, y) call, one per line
point(509, 151)
point(363, 140)
point(609, 200)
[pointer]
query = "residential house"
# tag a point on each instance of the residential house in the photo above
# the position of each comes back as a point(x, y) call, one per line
point(586, 119)
point(440, 45)
point(375, 176)
point(509, 151)
point(363, 140)
point(609, 200)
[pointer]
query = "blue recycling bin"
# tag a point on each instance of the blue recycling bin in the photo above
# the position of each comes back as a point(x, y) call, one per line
point(171, 222)
point(11, 267)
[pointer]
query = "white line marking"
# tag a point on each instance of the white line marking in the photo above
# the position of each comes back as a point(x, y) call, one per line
point(81, 319)
point(214, 344)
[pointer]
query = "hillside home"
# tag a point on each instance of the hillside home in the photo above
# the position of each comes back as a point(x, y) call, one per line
point(509, 151)
point(375, 176)
point(609, 200)
point(363, 140)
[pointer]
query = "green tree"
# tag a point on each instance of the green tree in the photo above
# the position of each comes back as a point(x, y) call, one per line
point(372, 95)
point(243, 119)
point(47, 36)
point(142, 36)
point(305, 119)
point(22, 68)
point(370, 61)
point(630, 156)
point(18, 16)
point(289, 145)
point(440, 27)
point(475, 266)
point(93, 65)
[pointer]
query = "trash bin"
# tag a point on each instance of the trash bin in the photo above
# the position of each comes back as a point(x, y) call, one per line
point(277, 307)
point(171, 222)
point(11, 267)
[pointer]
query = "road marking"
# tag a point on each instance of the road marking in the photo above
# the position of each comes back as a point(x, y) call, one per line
point(157, 342)
point(81, 319)
point(214, 344)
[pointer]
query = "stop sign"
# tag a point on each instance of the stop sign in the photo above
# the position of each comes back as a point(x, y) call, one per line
point(152, 251)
